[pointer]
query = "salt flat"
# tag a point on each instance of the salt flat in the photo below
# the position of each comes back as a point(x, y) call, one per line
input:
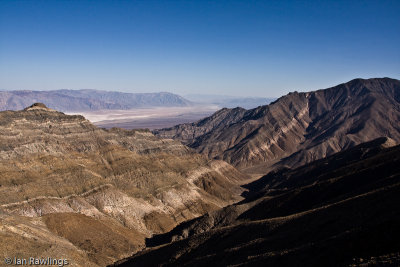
point(151, 118)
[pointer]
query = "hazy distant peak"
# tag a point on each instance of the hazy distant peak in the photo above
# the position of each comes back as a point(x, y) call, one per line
point(226, 101)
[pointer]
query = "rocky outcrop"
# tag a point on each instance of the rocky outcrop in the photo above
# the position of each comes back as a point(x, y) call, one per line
point(297, 128)
point(75, 180)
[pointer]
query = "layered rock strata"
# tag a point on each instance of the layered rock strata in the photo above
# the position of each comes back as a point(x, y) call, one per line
point(93, 194)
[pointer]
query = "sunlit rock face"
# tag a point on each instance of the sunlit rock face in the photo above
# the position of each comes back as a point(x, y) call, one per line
point(297, 128)
point(92, 194)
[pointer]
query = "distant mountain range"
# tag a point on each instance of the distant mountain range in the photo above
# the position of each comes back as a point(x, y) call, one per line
point(87, 99)
point(225, 101)
point(297, 128)
point(91, 100)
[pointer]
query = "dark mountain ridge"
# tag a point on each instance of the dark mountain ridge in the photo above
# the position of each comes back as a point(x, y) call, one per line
point(338, 211)
point(297, 128)
point(87, 99)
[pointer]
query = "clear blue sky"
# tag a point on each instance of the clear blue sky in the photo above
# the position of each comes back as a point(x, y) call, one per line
point(249, 48)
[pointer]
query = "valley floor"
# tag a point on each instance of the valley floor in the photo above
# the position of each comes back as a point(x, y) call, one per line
point(150, 118)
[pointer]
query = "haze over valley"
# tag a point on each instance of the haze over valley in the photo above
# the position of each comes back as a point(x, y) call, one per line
point(128, 110)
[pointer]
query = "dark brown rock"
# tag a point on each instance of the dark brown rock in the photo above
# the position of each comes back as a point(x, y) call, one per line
point(336, 211)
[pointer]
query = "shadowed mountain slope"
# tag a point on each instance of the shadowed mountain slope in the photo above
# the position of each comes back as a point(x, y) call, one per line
point(87, 99)
point(297, 128)
point(93, 195)
point(338, 211)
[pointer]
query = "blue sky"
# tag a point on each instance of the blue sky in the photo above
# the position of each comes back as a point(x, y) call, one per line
point(244, 48)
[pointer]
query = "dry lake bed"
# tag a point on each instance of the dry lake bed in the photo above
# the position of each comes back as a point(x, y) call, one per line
point(151, 118)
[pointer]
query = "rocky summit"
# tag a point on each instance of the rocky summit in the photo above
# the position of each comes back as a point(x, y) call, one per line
point(297, 128)
point(91, 195)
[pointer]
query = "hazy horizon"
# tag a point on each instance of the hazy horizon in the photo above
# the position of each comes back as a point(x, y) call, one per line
point(186, 95)
point(235, 48)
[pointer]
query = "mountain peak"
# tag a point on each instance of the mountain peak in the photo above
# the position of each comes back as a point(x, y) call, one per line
point(37, 106)
point(299, 127)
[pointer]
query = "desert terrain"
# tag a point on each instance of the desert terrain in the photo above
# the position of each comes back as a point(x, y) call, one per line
point(200, 133)
point(326, 182)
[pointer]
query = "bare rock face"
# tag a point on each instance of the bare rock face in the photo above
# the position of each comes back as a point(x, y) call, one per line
point(93, 194)
point(297, 128)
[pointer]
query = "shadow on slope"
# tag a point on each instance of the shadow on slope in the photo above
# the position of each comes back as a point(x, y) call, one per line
point(326, 213)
